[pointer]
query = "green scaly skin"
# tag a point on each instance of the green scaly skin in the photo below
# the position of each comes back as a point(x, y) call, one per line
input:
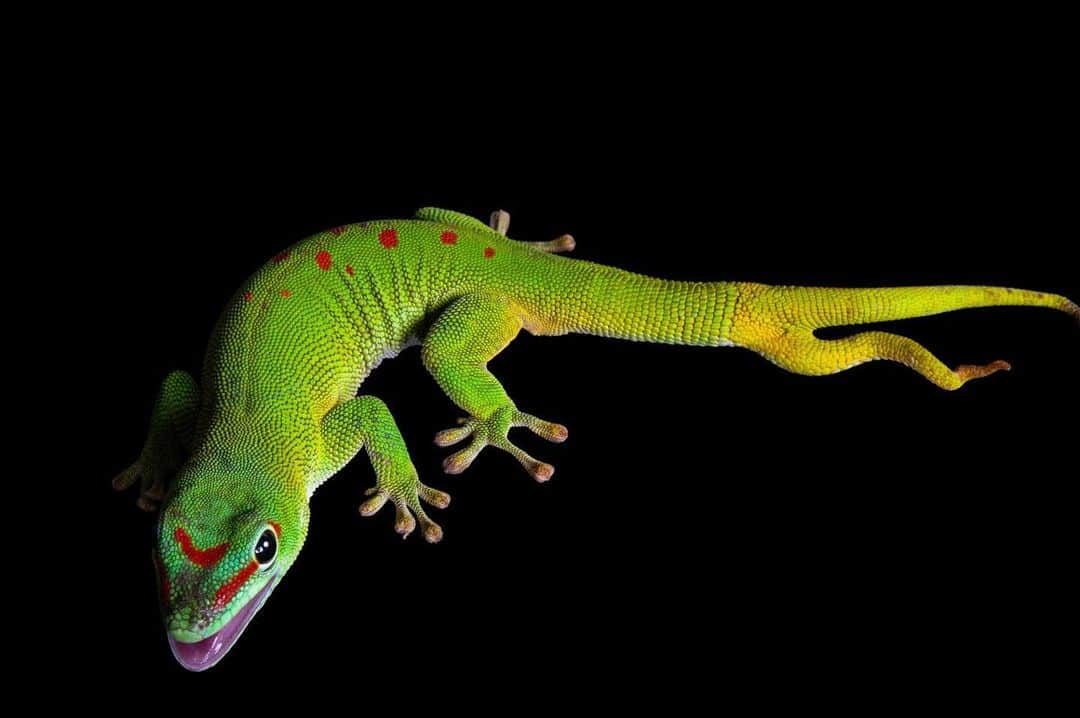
point(277, 413)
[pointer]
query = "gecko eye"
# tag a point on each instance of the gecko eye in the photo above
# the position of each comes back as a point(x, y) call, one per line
point(266, 548)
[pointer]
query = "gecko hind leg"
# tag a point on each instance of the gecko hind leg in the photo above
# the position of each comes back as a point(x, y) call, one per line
point(456, 350)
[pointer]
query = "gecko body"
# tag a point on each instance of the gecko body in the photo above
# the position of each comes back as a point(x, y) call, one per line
point(232, 461)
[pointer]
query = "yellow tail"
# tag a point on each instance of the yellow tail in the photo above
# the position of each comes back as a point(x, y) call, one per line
point(779, 324)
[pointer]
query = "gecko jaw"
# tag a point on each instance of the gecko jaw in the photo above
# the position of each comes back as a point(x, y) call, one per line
point(202, 654)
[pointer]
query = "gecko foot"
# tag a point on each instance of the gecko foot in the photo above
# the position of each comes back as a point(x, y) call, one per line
point(493, 431)
point(500, 223)
point(406, 496)
point(151, 485)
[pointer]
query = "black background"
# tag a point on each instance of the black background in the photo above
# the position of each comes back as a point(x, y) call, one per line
point(712, 519)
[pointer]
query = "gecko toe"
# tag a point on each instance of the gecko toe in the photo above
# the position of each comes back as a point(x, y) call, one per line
point(404, 523)
point(449, 437)
point(461, 460)
point(542, 472)
point(434, 497)
point(376, 502)
point(433, 533)
point(127, 478)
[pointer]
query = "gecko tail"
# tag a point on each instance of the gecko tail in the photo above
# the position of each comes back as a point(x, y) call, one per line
point(818, 307)
point(779, 323)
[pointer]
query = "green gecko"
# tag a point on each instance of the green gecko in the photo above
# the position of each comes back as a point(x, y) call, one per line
point(277, 412)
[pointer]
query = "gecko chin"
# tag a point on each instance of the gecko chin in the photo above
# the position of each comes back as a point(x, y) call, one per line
point(202, 654)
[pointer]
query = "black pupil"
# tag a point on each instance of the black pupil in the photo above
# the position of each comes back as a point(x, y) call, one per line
point(266, 547)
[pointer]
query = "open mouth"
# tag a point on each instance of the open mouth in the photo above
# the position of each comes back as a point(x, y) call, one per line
point(200, 655)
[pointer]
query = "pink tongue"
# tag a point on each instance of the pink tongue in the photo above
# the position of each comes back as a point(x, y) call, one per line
point(200, 655)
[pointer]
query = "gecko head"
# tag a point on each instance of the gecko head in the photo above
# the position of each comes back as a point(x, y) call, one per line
point(219, 556)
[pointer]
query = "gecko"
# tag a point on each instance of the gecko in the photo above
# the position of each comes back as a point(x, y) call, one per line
point(230, 463)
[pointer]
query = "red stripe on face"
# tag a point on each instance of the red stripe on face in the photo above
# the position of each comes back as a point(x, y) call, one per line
point(200, 557)
point(277, 528)
point(234, 584)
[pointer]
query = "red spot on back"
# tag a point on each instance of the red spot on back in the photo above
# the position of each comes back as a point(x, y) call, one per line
point(277, 527)
point(280, 257)
point(348, 269)
point(489, 252)
point(388, 238)
point(163, 580)
point(234, 584)
point(448, 237)
point(337, 231)
point(323, 260)
point(286, 293)
point(204, 557)
point(248, 296)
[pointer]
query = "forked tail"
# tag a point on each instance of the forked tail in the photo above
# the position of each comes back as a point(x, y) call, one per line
point(779, 323)
point(776, 322)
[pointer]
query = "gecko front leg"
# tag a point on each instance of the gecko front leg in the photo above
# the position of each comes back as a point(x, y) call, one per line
point(365, 422)
point(456, 350)
point(172, 427)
